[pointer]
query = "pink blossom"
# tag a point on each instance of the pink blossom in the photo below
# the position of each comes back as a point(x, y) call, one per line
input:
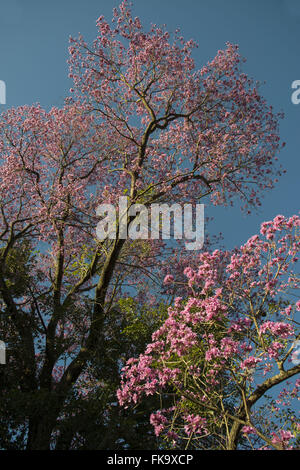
point(168, 279)
point(250, 362)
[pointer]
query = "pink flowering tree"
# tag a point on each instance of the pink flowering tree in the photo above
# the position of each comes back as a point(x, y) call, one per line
point(144, 122)
point(225, 347)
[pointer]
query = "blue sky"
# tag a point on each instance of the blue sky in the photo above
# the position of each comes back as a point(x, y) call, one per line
point(33, 50)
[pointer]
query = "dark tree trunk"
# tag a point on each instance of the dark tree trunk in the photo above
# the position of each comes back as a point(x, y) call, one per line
point(39, 436)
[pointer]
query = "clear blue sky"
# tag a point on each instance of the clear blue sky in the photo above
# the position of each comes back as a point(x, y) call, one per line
point(33, 50)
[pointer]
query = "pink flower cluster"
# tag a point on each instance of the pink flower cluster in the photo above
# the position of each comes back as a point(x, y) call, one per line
point(219, 327)
point(158, 421)
point(194, 424)
point(283, 438)
point(280, 329)
point(250, 363)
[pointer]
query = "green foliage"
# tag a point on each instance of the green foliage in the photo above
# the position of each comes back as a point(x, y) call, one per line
point(140, 322)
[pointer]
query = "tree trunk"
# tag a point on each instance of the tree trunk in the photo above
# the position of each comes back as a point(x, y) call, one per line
point(39, 435)
point(43, 421)
point(233, 436)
